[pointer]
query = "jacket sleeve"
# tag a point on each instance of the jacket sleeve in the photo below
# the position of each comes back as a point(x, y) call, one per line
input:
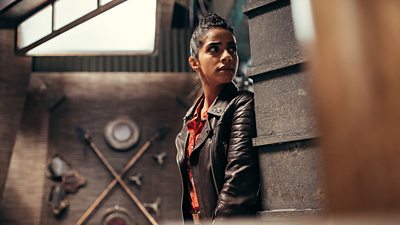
point(238, 195)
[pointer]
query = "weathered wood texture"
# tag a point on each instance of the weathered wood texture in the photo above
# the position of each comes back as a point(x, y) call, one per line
point(92, 100)
point(23, 192)
point(289, 161)
point(357, 87)
point(14, 78)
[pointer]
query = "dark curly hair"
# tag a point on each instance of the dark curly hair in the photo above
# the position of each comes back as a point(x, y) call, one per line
point(208, 22)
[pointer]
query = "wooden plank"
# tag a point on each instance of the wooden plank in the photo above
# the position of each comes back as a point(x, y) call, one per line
point(14, 78)
point(22, 199)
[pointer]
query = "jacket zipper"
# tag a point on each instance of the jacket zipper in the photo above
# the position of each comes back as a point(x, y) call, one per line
point(211, 159)
point(212, 171)
point(214, 181)
point(180, 173)
point(182, 188)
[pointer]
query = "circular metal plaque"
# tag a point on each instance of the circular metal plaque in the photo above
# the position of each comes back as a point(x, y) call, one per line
point(122, 133)
point(117, 216)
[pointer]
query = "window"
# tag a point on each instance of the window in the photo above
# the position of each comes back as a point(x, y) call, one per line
point(129, 27)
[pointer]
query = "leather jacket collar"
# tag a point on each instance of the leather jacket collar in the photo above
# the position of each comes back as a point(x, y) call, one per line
point(217, 108)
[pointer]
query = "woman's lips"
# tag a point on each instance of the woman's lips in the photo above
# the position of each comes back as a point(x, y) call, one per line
point(226, 69)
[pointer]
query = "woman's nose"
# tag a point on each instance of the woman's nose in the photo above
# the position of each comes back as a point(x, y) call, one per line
point(226, 56)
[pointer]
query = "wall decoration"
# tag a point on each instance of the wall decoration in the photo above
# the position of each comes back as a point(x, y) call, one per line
point(72, 181)
point(117, 215)
point(122, 133)
point(92, 101)
point(84, 135)
point(57, 166)
point(136, 179)
point(154, 206)
point(59, 169)
point(160, 157)
point(58, 199)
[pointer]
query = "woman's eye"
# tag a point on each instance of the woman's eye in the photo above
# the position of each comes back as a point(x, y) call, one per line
point(213, 49)
point(232, 49)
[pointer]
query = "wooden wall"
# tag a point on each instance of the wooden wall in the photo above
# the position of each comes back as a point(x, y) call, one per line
point(14, 78)
point(92, 100)
point(23, 191)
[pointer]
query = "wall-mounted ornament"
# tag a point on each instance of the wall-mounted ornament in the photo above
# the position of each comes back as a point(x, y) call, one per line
point(60, 170)
point(58, 199)
point(154, 206)
point(87, 139)
point(57, 166)
point(136, 179)
point(72, 181)
point(122, 133)
point(117, 216)
point(160, 157)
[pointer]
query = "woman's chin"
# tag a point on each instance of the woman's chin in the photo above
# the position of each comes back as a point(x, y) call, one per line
point(227, 77)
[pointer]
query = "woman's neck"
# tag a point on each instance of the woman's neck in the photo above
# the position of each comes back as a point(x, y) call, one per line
point(210, 94)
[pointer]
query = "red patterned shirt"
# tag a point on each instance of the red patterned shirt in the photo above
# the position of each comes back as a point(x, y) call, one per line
point(195, 126)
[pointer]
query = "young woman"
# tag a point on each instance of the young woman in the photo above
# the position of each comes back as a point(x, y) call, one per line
point(218, 166)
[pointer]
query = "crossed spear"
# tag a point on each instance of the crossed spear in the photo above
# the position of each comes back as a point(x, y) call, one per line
point(87, 139)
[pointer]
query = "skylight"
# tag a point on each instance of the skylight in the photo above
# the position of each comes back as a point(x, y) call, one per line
point(90, 27)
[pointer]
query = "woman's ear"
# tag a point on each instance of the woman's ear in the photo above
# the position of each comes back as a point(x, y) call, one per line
point(194, 63)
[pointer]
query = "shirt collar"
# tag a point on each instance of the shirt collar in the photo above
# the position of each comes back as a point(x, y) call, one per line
point(217, 108)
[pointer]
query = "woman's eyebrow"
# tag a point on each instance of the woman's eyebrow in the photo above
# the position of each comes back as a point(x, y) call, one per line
point(214, 43)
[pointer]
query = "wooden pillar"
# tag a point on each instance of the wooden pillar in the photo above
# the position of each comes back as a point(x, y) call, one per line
point(23, 191)
point(356, 88)
point(14, 78)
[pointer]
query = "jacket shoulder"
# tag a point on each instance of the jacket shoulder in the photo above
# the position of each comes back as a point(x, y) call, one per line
point(244, 96)
point(242, 101)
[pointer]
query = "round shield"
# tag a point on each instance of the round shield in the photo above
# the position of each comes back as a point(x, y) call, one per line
point(117, 216)
point(122, 133)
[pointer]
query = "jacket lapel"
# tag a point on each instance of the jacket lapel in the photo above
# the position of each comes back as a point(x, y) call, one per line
point(222, 100)
point(203, 136)
point(183, 136)
point(214, 113)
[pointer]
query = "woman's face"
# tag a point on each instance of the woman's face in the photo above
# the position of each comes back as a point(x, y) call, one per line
point(217, 60)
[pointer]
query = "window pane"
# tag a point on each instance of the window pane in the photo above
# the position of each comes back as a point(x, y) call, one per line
point(34, 28)
point(127, 28)
point(66, 11)
point(103, 2)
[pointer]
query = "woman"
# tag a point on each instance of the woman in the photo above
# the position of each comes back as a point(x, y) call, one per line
point(218, 166)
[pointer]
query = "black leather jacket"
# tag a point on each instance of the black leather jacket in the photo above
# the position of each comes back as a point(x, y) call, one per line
point(223, 162)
